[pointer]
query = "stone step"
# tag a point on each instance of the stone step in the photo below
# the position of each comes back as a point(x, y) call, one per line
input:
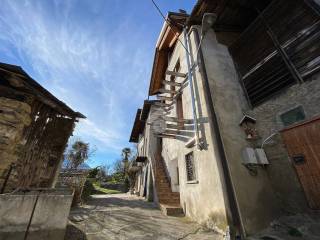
point(159, 180)
point(163, 180)
point(164, 191)
point(172, 210)
point(173, 194)
point(161, 174)
point(161, 169)
point(171, 202)
point(168, 197)
point(163, 186)
point(160, 166)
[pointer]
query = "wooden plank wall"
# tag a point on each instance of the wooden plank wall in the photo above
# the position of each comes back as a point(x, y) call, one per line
point(33, 136)
point(46, 139)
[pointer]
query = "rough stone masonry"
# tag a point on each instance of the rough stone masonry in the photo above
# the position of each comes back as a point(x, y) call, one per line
point(14, 117)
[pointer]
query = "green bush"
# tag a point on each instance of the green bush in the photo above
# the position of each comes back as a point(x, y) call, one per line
point(93, 173)
point(88, 189)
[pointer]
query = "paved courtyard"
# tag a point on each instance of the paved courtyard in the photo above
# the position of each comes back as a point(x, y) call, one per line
point(121, 217)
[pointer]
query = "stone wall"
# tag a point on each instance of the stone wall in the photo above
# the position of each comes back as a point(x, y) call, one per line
point(33, 137)
point(14, 117)
point(275, 189)
point(281, 171)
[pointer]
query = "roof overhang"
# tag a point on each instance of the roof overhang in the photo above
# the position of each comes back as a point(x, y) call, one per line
point(146, 109)
point(140, 120)
point(166, 41)
point(233, 15)
point(138, 127)
point(21, 81)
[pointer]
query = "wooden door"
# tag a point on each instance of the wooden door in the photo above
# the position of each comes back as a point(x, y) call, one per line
point(303, 145)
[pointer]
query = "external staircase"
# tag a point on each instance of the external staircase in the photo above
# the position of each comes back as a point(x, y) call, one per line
point(166, 124)
point(169, 126)
point(169, 201)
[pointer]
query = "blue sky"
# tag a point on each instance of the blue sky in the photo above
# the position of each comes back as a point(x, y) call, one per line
point(95, 55)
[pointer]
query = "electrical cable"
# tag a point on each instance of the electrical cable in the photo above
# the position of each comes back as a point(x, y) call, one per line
point(170, 24)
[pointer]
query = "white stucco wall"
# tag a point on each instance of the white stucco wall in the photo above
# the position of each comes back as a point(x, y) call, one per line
point(255, 196)
point(204, 200)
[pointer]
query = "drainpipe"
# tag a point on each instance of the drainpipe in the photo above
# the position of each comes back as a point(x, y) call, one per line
point(234, 207)
point(190, 81)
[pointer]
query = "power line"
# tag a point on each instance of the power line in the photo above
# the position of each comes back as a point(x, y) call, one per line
point(171, 25)
point(159, 10)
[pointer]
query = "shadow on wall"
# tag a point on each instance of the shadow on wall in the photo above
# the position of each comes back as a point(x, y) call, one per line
point(74, 233)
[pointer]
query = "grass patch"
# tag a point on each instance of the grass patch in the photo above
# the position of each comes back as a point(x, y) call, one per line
point(101, 190)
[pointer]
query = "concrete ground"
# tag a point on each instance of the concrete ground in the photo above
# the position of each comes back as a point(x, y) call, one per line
point(122, 217)
point(292, 227)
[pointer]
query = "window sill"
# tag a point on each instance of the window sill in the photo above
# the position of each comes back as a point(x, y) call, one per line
point(193, 182)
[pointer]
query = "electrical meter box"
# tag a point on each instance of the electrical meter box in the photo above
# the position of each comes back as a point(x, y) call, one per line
point(249, 156)
point(261, 156)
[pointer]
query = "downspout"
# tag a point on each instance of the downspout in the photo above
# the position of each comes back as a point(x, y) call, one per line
point(236, 217)
point(190, 80)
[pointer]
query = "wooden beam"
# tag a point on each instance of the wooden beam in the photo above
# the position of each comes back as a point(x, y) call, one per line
point(171, 83)
point(163, 90)
point(165, 98)
point(176, 74)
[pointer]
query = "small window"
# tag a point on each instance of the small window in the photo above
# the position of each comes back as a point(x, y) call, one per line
point(190, 167)
point(178, 183)
point(179, 111)
point(173, 78)
point(293, 116)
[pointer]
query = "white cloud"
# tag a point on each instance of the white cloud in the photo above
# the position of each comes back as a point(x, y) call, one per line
point(104, 137)
point(93, 66)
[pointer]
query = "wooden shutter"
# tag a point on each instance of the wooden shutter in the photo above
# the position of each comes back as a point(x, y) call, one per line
point(297, 27)
point(262, 68)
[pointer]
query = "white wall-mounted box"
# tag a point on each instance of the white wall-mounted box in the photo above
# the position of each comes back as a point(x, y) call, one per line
point(261, 156)
point(249, 156)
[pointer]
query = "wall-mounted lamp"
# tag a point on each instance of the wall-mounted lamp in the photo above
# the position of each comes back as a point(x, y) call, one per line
point(208, 20)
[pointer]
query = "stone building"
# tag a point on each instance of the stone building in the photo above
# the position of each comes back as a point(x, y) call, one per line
point(34, 130)
point(146, 142)
point(238, 131)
